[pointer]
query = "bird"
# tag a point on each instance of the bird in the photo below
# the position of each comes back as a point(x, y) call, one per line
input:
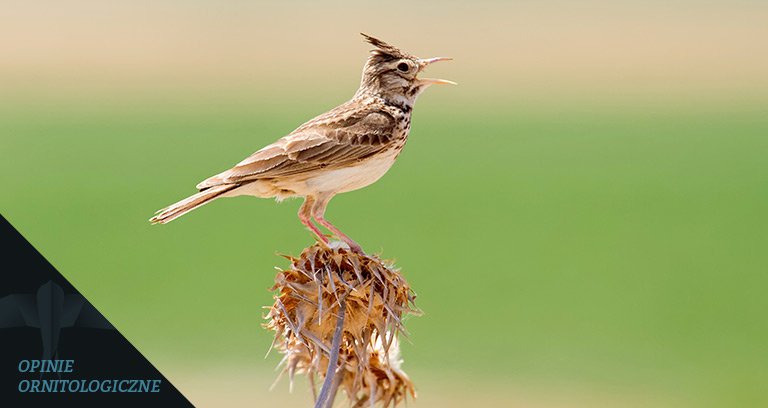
point(50, 310)
point(347, 148)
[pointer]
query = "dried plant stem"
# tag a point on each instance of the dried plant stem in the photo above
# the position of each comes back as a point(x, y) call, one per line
point(338, 376)
point(328, 391)
point(336, 317)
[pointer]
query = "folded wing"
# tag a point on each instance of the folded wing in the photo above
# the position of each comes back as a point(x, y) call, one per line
point(334, 139)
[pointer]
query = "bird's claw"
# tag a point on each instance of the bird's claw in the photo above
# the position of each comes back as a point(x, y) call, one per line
point(350, 246)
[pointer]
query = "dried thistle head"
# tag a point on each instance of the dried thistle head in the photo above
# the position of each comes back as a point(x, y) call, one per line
point(376, 298)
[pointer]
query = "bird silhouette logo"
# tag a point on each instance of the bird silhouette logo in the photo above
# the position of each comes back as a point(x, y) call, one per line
point(50, 310)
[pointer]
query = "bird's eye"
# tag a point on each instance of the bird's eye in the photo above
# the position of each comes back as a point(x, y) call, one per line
point(403, 67)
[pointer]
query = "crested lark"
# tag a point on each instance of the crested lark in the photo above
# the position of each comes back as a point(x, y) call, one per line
point(344, 149)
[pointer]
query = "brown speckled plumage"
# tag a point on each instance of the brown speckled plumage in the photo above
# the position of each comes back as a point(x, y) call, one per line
point(344, 149)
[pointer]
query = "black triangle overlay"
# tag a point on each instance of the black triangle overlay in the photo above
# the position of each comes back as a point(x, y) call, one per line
point(42, 316)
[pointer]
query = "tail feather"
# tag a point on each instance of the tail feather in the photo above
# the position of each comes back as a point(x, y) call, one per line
point(188, 204)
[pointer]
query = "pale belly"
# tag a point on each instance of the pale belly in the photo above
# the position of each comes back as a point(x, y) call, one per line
point(351, 178)
point(325, 181)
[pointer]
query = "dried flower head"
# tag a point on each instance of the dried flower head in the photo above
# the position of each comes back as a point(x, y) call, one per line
point(375, 296)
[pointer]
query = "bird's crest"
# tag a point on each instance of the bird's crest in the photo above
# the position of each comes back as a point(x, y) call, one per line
point(385, 50)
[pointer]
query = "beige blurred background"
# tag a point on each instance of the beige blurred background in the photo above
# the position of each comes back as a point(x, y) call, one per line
point(620, 49)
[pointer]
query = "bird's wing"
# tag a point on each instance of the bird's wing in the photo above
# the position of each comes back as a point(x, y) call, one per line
point(79, 313)
point(334, 139)
point(73, 304)
point(18, 311)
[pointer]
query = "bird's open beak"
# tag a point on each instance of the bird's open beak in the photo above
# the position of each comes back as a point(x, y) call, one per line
point(426, 61)
point(432, 81)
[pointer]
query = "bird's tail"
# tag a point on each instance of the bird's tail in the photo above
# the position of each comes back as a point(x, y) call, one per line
point(188, 204)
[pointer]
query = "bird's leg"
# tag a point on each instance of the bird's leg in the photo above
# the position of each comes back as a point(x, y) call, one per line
point(318, 211)
point(305, 215)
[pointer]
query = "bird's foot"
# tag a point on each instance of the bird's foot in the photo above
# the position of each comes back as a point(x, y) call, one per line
point(350, 246)
point(354, 247)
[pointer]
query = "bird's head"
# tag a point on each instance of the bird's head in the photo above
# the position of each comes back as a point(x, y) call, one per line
point(392, 74)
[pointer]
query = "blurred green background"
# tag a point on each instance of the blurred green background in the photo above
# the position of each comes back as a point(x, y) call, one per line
point(583, 217)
